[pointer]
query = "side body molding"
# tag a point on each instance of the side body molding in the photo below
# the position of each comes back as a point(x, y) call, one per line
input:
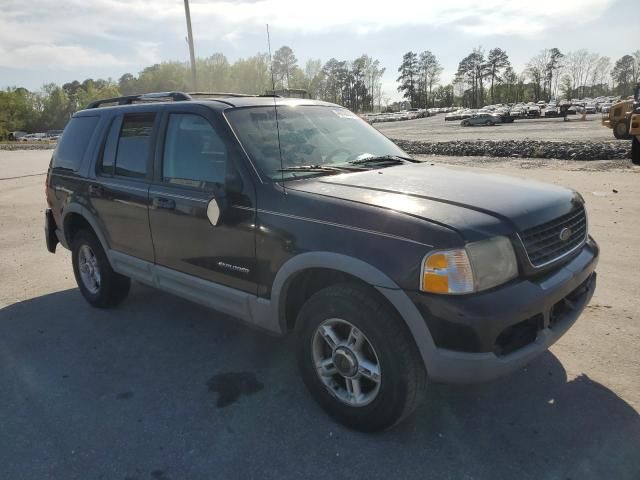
point(267, 314)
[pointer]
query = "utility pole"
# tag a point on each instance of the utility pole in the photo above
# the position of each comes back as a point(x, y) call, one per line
point(192, 54)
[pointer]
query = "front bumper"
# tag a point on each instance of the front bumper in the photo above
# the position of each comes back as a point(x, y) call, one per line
point(483, 336)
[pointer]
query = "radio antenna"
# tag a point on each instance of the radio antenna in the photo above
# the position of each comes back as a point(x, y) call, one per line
point(275, 109)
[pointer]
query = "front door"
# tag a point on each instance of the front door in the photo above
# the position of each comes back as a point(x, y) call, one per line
point(196, 226)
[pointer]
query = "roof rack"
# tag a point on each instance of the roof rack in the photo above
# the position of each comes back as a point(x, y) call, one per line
point(229, 94)
point(145, 97)
point(219, 94)
point(164, 96)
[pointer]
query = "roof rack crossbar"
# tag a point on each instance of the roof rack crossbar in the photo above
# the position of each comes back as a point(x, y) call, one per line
point(148, 97)
point(219, 94)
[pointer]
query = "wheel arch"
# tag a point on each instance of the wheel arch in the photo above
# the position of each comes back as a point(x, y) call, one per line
point(291, 276)
point(76, 216)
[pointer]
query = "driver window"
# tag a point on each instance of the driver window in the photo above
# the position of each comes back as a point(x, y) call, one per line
point(194, 154)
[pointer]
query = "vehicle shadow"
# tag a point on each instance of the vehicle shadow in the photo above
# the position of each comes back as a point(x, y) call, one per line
point(161, 388)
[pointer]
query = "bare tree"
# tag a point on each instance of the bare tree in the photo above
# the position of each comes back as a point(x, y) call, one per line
point(575, 70)
point(603, 68)
point(636, 66)
point(537, 71)
point(591, 63)
point(373, 73)
point(429, 70)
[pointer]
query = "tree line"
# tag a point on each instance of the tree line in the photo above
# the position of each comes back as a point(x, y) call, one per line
point(355, 84)
point(481, 78)
point(488, 78)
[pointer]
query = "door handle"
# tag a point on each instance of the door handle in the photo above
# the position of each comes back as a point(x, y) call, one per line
point(96, 190)
point(159, 202)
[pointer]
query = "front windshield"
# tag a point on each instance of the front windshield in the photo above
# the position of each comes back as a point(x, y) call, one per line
point(309, 135)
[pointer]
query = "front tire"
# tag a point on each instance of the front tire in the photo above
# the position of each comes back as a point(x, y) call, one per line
point(358, 359)
point(98, 283)
point(621, 130)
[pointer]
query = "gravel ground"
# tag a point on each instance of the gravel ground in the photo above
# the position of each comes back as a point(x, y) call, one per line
point(134, 392)
point(15, 146)
point(539, 138)
point(605, 150)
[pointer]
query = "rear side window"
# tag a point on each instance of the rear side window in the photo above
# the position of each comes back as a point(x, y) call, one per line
point(134, 143)
point(74, 142)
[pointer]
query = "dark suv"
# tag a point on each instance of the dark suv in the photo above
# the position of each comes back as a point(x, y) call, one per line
point(296, 216)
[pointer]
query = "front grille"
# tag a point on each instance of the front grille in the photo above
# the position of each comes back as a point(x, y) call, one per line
point(543, 243)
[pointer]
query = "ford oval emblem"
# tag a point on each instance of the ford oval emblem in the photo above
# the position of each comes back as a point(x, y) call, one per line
point(565, 234)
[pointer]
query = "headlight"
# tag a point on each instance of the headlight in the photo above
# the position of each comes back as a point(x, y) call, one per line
point(478, 266)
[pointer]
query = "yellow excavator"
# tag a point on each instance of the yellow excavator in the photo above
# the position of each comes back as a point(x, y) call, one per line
point(634, 126)
point(619, 116)
point(624, 119)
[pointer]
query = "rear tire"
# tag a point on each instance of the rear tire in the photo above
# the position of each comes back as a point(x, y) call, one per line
point(358, 338)
point(635, 150)
point(98, 283)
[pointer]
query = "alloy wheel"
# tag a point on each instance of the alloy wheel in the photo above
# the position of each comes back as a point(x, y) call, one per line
point(346, 362)
point(89, 270)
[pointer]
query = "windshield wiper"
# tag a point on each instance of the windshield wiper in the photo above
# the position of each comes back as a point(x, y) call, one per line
point(317, 168)
point(395, 159)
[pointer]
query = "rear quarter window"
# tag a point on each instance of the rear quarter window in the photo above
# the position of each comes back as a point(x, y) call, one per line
point(74, 142)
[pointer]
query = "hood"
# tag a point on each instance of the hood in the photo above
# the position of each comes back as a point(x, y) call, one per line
point(474, 204)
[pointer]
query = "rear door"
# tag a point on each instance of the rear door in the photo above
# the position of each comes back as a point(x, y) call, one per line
point(202, 213)
point(120, 193)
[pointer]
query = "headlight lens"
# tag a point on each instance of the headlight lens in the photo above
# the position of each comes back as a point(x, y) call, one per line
point(478, 266)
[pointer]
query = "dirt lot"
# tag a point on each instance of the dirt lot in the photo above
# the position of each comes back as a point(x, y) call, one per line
point(435, 129)
point(123, 394)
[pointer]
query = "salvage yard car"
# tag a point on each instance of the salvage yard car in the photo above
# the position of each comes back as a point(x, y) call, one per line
point(551, 111)
point(296, 216)
point(480, 119)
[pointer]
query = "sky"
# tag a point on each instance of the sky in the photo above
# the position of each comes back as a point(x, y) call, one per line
point(44, 41)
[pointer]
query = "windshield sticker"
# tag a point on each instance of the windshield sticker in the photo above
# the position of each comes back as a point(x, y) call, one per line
point(342, 113)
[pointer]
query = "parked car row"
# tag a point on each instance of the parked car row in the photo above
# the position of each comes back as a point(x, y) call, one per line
point(490, 114)
point(49, 136)
point(410, 114)
point(510, 112)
